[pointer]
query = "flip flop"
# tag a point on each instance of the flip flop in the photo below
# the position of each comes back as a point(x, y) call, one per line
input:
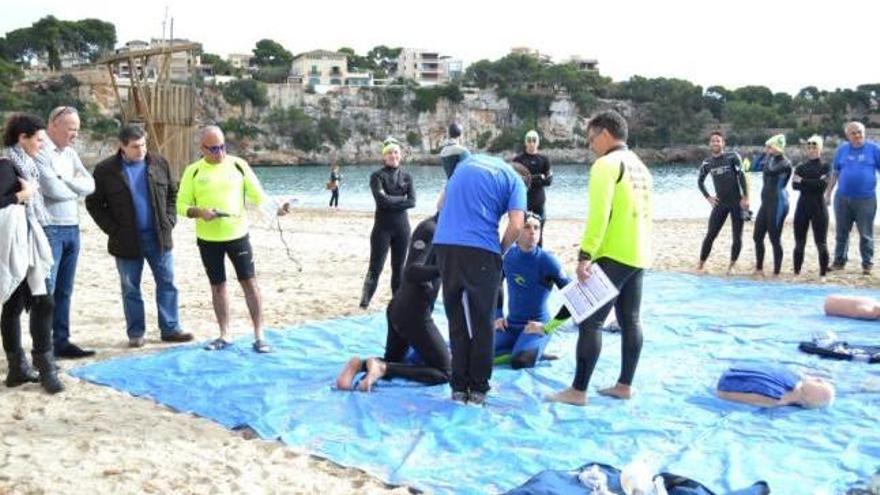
point(217, 344)
point(261, 347)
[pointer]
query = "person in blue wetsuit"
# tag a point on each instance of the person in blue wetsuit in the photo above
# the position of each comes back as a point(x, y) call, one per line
point(531, 273)
point(768, 385)
point(411, 328)
point(774, 203)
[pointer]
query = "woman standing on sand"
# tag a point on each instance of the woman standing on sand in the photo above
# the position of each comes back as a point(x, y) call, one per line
point(394, 193)
point(25, 257)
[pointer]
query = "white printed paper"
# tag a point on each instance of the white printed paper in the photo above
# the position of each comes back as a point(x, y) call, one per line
point(584, 299)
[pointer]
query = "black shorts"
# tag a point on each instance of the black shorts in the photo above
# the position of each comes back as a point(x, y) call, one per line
point(240, 253)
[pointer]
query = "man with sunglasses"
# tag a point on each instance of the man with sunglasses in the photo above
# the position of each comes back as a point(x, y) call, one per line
point(539, 168)
point(856, 164)
point(214, 191)
point(63, 182)
point(134, 203)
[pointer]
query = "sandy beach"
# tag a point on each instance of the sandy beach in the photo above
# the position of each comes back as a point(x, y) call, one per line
point(93, 439)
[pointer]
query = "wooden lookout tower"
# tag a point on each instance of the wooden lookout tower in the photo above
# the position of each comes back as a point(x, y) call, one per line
point(161, 95)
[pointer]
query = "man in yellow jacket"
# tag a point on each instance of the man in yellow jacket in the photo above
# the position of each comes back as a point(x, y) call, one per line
point(214, 191)
point(618, 239)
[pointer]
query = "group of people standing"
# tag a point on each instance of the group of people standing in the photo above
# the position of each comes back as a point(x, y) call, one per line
point(459, 250)
point(135, 200)
point(853, 170)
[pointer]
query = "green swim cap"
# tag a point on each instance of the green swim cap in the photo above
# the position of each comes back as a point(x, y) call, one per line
point(776, 142)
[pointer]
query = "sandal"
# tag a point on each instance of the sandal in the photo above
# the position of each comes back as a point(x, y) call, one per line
point(217, 344)
point(262, 347)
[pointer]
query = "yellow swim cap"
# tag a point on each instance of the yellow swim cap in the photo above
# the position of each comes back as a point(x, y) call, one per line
point(776, 142)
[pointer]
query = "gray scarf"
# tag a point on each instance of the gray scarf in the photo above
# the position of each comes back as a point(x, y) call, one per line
point(27, 169)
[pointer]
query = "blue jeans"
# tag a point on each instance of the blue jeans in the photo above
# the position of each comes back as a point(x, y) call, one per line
point(860, 211)
point(162, 266)
point(64, 240)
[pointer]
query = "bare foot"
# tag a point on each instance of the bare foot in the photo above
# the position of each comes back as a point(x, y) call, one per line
point(701, 267)
point(618, 391)
point(730, 269)
point(375, 370)
point(349, 371)
point(758, 273)
point(569, 396)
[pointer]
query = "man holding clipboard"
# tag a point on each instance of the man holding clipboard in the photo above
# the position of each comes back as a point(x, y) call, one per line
point(617, 239)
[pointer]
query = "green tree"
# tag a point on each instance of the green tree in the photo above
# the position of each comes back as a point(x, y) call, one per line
point(384, 60)
point(271, 53)
point(754, 94)
point(51, 38)
point(221, 67)
point(241, 91)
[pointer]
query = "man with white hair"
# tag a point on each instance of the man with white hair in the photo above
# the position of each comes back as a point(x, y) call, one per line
point(63, 182)
point(855, 167)
point(214, 191)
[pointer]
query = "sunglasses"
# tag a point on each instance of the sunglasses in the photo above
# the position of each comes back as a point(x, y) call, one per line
point(812, 145)
point(215, 149)
point(531, 140)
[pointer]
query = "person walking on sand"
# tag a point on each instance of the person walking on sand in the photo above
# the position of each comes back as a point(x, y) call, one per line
point(618, 239)
point(333, 185)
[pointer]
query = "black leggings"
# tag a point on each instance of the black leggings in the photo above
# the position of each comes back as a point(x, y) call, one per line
point(41, 312)
point(716, 221)
point(771, 218)
point(394, 234)
point(470, 290)
point(407, 329)
point(811, 211)
point(334, 197)
point(628, 281)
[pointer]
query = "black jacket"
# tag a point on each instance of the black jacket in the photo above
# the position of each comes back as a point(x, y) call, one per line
point(112, 207)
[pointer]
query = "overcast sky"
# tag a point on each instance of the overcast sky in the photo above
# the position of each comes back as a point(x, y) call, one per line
point(783, 45)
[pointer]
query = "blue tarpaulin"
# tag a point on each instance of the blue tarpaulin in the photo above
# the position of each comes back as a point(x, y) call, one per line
point(694, 328)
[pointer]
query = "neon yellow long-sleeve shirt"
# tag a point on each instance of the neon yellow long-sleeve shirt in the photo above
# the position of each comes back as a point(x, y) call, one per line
point(620, 216)
point(225, 187)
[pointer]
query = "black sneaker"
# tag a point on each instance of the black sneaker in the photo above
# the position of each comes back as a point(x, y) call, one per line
point(477, 398)
point(459, 396)
point(73, 351)
point(836, 267)
point(180, 336)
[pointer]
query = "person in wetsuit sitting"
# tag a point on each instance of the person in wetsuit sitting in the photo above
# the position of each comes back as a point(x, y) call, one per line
point(774, 203)
point(531, 273)
point(731, 197)
point(410, 325)
point(394, 193)
point(767, 385)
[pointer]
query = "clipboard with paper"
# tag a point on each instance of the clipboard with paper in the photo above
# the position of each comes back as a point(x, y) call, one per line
point(585, 298)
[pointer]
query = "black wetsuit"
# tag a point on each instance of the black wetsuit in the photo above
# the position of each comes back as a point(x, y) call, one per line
point(811, 209)
point(334, 192)
point(394, 193)
point(774, 208)
point(409, 315)
point(539, 167)
point(730, 187)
